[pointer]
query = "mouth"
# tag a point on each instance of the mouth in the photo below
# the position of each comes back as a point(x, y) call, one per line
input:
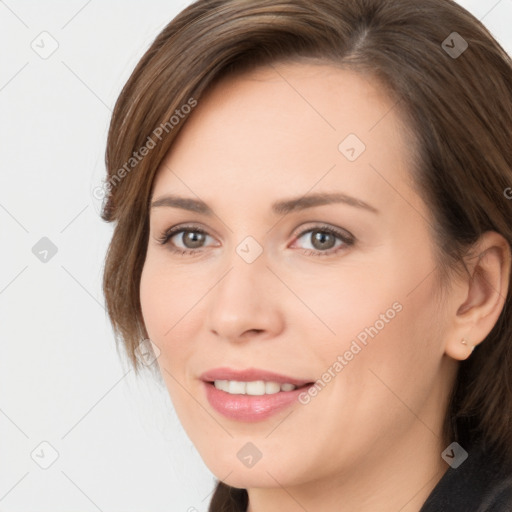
point(255, 387)
point(251, 376)
point(251, 395)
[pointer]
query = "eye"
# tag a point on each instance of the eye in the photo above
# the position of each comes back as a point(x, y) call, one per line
point(323, 240)
point(191, 236)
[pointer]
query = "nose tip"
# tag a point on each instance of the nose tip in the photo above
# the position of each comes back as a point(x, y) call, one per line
point(242, 299)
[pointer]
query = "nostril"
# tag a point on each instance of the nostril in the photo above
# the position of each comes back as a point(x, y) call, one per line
point(256, 331)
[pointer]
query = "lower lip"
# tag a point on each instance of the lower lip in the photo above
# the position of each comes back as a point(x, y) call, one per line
point(250, 407)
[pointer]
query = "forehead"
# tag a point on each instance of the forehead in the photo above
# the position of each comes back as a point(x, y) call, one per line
point(289, 126)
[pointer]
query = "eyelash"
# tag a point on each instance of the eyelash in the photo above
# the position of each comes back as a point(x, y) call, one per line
point(348, 241)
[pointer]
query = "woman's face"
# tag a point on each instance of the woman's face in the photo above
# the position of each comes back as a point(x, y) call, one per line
point(340, 292)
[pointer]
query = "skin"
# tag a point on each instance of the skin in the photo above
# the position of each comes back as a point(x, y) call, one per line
point(371, 439)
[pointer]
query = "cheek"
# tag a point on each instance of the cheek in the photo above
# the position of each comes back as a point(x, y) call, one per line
point(168, 310)
point(159, 306)
point(357, 303)
point(163, 296)
point(393, 357)
point(168, 305)
point(388, 338)
point(152, 301)
point(379, 385)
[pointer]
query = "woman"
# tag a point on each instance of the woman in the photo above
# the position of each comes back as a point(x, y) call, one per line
point(369, 369)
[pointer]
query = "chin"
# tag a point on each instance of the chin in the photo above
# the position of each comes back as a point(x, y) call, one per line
point(264, 473)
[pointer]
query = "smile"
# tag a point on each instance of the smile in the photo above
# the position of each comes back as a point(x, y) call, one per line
point(255, 388)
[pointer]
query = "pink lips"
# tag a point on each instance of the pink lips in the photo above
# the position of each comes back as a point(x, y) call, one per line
point(249, 407)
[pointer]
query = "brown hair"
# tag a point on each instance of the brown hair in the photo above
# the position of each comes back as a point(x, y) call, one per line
point(459, 108)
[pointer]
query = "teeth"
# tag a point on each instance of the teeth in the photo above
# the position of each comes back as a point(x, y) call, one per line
point(256, 388)
point(236, 388)
point(272, 387)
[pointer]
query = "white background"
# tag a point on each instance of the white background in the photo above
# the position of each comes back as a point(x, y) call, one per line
point(119, 443)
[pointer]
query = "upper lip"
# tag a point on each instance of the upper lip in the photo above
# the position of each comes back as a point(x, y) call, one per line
point(249, 375)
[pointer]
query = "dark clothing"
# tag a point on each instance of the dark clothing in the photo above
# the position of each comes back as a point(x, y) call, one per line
point(480, 484)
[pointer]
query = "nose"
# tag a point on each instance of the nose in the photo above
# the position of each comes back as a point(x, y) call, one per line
point(246, 302)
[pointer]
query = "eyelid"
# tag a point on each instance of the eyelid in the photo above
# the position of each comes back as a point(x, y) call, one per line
point(322, 226)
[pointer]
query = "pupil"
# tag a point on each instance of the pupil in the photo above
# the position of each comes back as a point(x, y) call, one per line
point(195, 242)
point(320, 236)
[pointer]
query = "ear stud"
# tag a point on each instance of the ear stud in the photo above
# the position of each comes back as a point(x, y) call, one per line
point(464, 341)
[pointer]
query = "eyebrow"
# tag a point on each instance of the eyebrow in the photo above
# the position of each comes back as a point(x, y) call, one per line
point(279, 207)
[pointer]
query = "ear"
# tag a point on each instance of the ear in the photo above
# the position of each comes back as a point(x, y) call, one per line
point(477, 300)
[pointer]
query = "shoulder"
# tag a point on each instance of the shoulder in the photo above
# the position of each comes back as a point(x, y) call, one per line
point(482, 483)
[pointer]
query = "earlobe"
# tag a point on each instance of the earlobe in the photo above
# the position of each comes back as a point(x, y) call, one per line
point(484, 290)
point(461, 350)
